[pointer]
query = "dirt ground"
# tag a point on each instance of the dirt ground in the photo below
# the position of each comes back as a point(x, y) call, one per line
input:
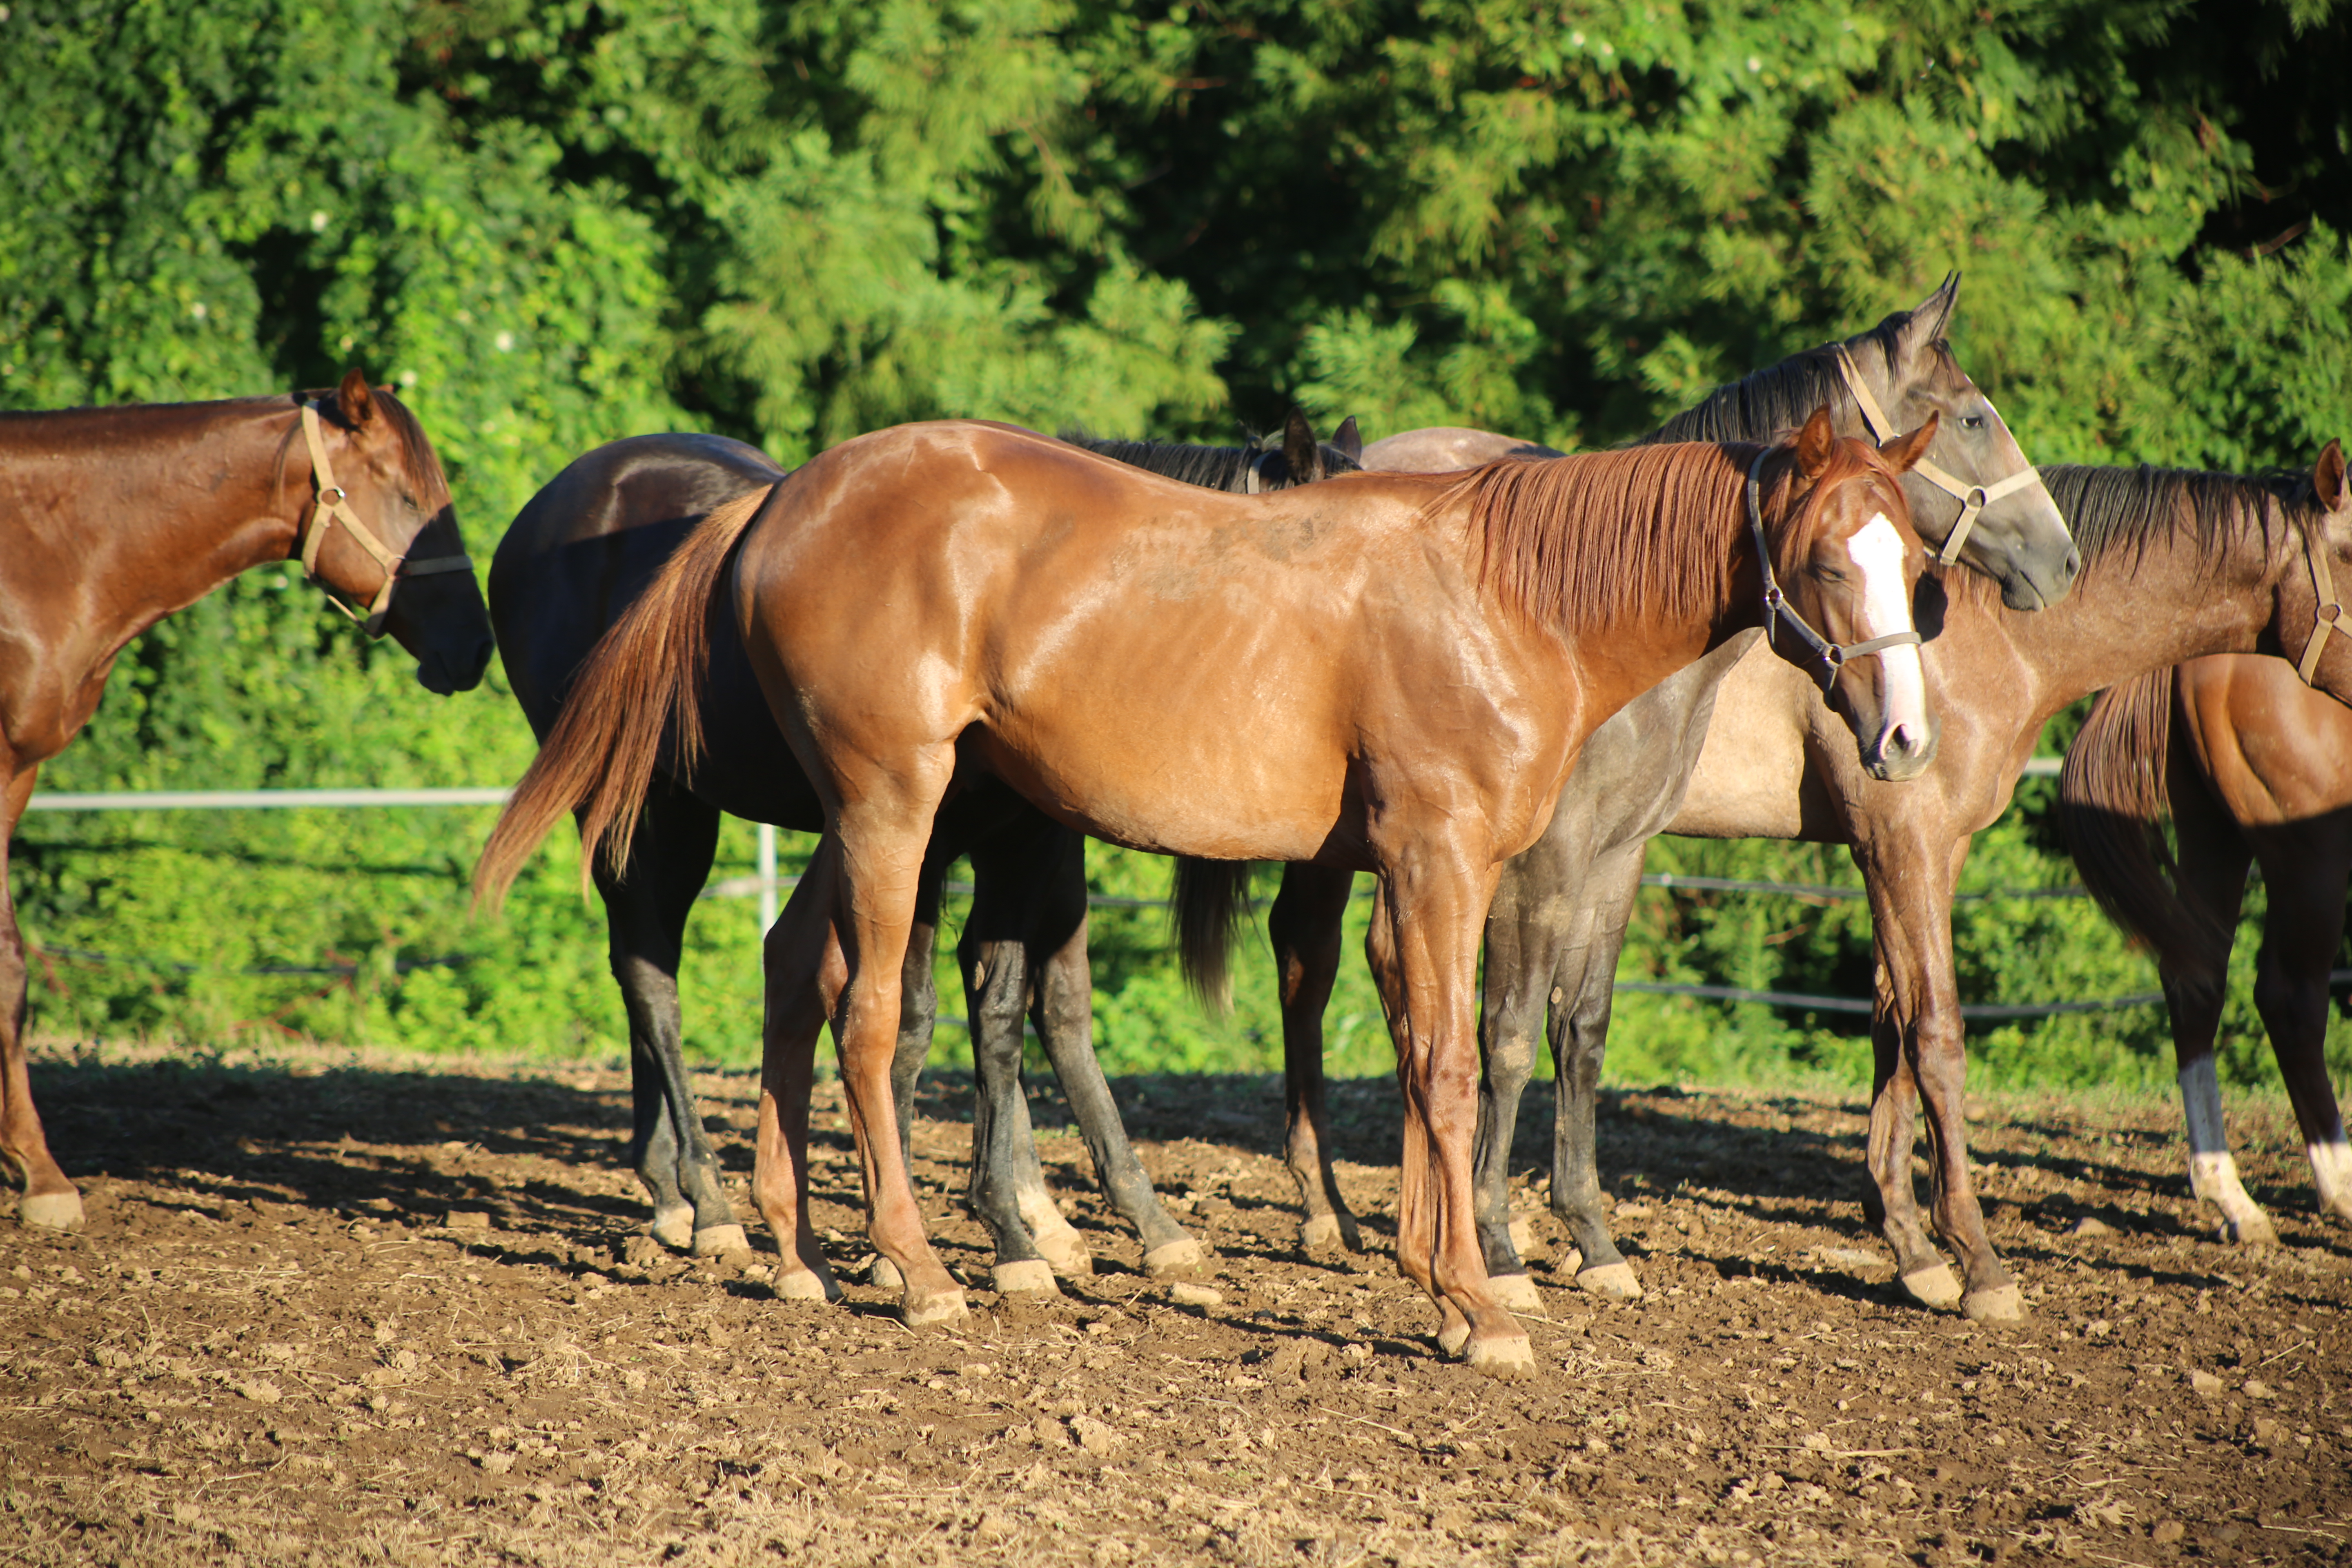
point(342, 1308)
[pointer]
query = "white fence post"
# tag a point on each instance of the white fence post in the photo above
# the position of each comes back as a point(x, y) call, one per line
point(767, 876)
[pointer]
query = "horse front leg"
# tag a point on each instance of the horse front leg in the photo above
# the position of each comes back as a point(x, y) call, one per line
point(802, 967)
point(1583, 995)
point(1004, 1147)
point(1063, 1010)
point(1304, 927)
point(645, 908)
point(1918, 1035)
point(1423, 950)
point(1520, 949)
point(49, 1200)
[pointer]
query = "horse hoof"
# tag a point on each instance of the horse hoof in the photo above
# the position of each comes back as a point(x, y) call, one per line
point(939, 1307)
point(805, 1285)
point(884, 1273)
point(1319, 1232)
point(1066, 1253)
point(718, 1240)
point(1611, 1282)
point(52, 1211)
point(1508, 1357)
point(1028, 1277)
point(1523, 1237)
point(1517, 1293)
point(2250, 1230)
point(2003, 1304)
point(1175, 1257)
point(1454, 1336)
point(1934, 1286)
point(674, 1229)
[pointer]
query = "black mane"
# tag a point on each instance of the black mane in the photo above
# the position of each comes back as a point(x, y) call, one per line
point(2115, 509)
point(1211, 468)
point(1761, 406)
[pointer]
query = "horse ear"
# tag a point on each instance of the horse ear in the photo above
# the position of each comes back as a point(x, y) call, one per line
point(2327, 477)
point(1815, 444)
point(353, 400)
point(1299, 450)
point(1349, 439)
point(1928, 322)
point(1903, 452)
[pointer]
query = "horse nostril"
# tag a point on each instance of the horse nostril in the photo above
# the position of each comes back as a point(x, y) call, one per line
point(2074, 564)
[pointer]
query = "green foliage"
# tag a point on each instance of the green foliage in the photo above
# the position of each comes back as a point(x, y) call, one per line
point(553, 224)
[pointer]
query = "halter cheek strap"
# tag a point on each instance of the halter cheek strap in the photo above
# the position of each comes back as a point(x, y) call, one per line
point(1254, 475)
point(334, 506)
point(2329, 614)
point(1778, 611)
point(1973, 498)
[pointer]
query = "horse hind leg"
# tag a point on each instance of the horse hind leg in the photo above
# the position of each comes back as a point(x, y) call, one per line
point(1580, 1031)
point(49, 1201)
point(645, 909)
point(996, 996)
point(804, 971)
point(1305, 928)
point(2211, 879)
point(2304, 874)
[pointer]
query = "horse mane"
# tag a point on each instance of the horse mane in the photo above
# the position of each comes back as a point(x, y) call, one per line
point(1779, 397)
point(2111, 511)
point(416, 454)
point(1210, 468)
point(1582, 543)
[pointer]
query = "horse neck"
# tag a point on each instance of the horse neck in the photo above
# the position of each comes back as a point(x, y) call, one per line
point(152, 507)
point(2124, 618)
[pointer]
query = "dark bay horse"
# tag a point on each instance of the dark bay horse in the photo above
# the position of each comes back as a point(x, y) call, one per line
point(1557, 926)
point(113, 517)
point(2254, 766)
point(2176, 566)
point(579, 553)
point(1391, 673)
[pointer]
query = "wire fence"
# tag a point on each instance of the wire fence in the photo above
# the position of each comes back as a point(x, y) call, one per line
point(766, 886)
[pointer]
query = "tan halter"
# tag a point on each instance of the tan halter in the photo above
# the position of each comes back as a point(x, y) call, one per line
point(334, 506)
point(1973, 498)
point(2327, 616)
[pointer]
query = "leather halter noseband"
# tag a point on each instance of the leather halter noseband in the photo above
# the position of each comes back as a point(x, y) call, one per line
point(1778, 609)
point(334, 506)
point(1973, 498)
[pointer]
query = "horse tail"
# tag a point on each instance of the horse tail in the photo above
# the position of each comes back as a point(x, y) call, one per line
point(2113, 799)
point(639, 685)
point(1208, 903)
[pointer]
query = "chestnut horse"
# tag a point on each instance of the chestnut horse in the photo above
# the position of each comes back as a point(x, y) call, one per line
point(1553, 937)
point(2253, 765)
point(579, 552)
point(2175, 566)
point(1391, 673)
point(117, 517)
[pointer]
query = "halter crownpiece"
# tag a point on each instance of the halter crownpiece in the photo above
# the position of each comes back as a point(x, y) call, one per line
point(2329, 617)
point(334, 506)
point(1777, 607)
point(1973, 498)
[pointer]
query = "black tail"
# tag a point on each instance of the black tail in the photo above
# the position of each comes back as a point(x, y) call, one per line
point(2113, 799)
point(1208, 903)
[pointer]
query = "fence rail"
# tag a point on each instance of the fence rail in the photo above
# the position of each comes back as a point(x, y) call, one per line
point(766, 884)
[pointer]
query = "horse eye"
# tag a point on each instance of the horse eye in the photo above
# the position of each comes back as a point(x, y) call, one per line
point(1972, 422)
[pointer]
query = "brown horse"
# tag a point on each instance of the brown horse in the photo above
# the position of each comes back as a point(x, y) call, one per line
point(2175, 566)
point(1384, 673)
point(2252, 766)
point(116, 517)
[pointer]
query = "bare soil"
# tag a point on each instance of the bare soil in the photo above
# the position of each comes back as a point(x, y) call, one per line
point(341, 1308)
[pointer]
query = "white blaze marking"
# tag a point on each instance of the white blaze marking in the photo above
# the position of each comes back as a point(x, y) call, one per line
point(1877, 552)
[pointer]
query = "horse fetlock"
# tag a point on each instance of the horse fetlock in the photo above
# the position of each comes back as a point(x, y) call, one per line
point(1319, 1232)
point(51, 1211)
point(672, 1227)
point(1933, 1285)
point(1174, 1258)
point(1611, 1282)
